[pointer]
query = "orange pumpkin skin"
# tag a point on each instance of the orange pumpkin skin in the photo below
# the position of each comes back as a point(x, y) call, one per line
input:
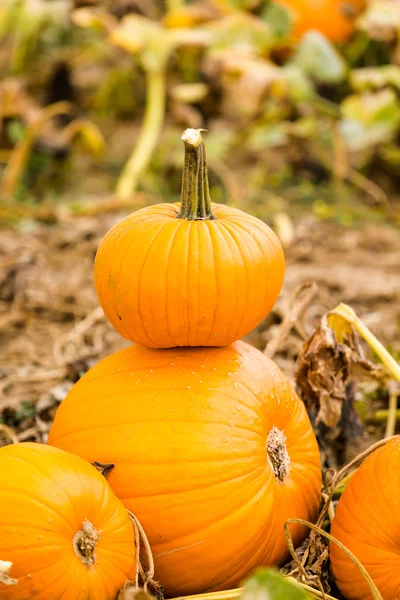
point(334, 18)
point(164, 281)
point(46, 495)
point(187, 430)
point(366, 522)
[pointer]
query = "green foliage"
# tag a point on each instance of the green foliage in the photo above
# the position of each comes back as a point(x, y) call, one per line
point(278, 19)
point(232, 65)
point(268, 584)
point(319, 59)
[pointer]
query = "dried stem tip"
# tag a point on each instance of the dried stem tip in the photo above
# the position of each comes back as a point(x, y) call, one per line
point(85, 542)
point(192, 137)
point(277, 454)
point(5, 579)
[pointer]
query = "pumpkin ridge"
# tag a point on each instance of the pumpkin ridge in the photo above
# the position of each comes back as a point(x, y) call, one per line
point(272, 246)
point(225, 231)
point(217, 287)
point(197, 488)
point(254, 498)
point(150, 420)
point(37, 501)
point(172, 242)
point(139, 314)
point(108, 240)
point(139, 286)
point(244, 263)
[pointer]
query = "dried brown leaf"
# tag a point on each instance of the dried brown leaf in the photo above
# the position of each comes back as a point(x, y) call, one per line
point(325, 367)
point(311, 563)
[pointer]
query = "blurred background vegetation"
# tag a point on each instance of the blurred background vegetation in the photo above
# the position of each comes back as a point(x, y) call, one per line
point(301, 100)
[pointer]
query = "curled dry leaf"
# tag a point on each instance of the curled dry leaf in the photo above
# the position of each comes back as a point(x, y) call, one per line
point(324, 369)
point(311, 563)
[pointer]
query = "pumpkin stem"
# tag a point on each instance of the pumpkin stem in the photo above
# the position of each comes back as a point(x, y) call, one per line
point(195, 194)
point(103, 468)
point(85, 542)
point(277, 454)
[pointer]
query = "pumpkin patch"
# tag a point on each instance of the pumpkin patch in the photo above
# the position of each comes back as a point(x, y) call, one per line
point(213, 451)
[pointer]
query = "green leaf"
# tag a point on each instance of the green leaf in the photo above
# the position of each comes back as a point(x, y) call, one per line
point(317, 57)
point(278, 18)
point(300, 88)
point(375, 77)
point(268, 584)
point(370, 118)
point(241, 32)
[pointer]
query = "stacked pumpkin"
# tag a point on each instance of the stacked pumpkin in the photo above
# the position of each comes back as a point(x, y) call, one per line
point(204, 438)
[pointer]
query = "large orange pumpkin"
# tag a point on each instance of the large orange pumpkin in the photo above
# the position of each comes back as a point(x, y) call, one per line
point(66, 534)
point(188, 274)
point(334, 18)
point(367, 522)
point(213, 451)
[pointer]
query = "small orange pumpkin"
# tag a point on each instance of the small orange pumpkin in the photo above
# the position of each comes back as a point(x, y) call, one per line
point(66, 534)
point(334, 18)
point(213, 451)
point(188, 274)
point(366, 522)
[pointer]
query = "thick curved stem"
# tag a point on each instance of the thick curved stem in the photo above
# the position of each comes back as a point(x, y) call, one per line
point(149, 134)
point(195, 194)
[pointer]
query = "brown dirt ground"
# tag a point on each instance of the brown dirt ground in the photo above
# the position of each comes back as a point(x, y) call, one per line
point(52, 330)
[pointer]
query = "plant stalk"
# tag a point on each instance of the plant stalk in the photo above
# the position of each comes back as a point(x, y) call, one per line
point(149, 134)
point(195, 194)
point(371, 584)
point(20, 155)
point(174, 6)
point(348, 314)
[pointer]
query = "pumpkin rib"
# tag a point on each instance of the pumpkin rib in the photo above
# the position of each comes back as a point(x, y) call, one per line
point(183, 281)
point(272, 245)
point(188, 307)
point(56, 579)
point(194, 487)
point(21, 493)
point(237, 226)
point(246, 286)
point(117, 295)
point(234, 310)
point(107, 242)
point(217, 286)
point(220, 520)
point(167, 300)
point(142, 266)
point(172, 420)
